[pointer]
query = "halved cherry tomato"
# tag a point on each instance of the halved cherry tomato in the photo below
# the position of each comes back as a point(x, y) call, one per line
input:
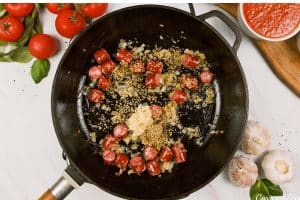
point(153, 167)
point(11, 29)
point(137, 164)
point(121, 161)
point(93, 10)
point(150, 153)
point(137, 67)
point(178, 96)
point(96, 96)
point(42, 46)
point(104, 83)
point(95, 72)
point(188, 81)
point(152, 80)
point(108, 157)
point(156, 111)
point(206, 76)
point(166, 154)
point(179, 151)
point(101, 55)
point(108, 67)
point(109, 141)
point(154, 66)
point(120, 130)
point(124, 55)
point(190, 61)
point(19, 9)
point(55, 8)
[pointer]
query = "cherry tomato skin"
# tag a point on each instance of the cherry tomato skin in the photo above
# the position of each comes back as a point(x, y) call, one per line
point(150, 153)
point(69, 22)
point(94, 10)
point(189, 82)
point(124, 55)
point(154, 66)
point(152, 80)
point(179, 151)
point(137, 164)
point(108, 157)
point(55, 8)
point(96, 96)
point(11, 29)
point(19, 9)
point(153, 167)
point(109, 141)
point(104, 83)
point(190, 61)
point(42, 46)
point(206, 76)
point(121, 161)
point(137, 67)
point(108, 67)
point(156, 111)
point(101, 55)
point(179, 96)
point(95, 72)
point(120, 131)
point(166, 154)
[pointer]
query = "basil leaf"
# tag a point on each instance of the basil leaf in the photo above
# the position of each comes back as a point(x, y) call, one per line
point(5, 58)
point(21, 55)
point(37, 25)
point(3, 43)
point(39, 70)
point(2, 10)
point(259, 191)
point(274, 190)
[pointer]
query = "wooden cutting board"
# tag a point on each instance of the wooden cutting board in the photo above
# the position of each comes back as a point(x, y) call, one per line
point(283, 57)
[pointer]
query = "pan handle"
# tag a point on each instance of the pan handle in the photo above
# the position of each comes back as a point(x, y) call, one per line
point(236, 30)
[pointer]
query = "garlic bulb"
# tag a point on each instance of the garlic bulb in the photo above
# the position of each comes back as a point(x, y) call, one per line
point(242, 171)
point(256, 138)
point(278, 167)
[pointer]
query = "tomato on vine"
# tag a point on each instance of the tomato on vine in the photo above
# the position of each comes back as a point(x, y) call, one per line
point(55, 8)
point(93, 10)
point(11, 29)
point(19, 9)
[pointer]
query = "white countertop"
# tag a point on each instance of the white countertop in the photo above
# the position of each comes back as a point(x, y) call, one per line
point(30, 156)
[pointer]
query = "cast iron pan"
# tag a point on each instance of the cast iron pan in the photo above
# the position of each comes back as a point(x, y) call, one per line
point(142, 22)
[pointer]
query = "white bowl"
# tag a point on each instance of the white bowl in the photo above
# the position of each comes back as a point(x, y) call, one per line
point(249, 31)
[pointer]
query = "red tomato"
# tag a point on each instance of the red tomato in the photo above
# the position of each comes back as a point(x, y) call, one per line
point(95, 72)
point(42, 46)
point(108, 157)
point(137, 67)
point(19, 9)
point(55, 8)
point(120, 130)
point(101, 55)
point(109, 141)
point(166, 154)
point(69, 22)
point(180, 152)
point(108, 67)
point(152, 80)
point(156, 111)
point(206, 76)
point(11, 29)
point(154, 66)
point(188, 81)
point(104, 82)
point(137, 164)
point(122, 161)
point(93, 10)
point(96, 96)
point(190, 61)
point(124, 55)
point(153, 167)
point(150, 153)
point(179, 96)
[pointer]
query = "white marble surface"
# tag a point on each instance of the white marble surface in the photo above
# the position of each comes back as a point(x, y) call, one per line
point(30, 156)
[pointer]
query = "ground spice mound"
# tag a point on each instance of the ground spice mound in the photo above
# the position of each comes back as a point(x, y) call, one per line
point(154, 136)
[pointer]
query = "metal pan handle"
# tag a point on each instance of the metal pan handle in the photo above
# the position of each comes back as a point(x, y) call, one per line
point(236, 30)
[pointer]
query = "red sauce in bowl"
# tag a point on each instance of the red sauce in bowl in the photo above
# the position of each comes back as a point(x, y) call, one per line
point(272, 20)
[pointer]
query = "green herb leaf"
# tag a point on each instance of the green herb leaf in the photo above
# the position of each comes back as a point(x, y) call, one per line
point(259, 191)
point(37, 25)
point(39, 70)
point(3, 43)
point(274, 190)
point(2, 10)
point(5, 58)
point(21, 55)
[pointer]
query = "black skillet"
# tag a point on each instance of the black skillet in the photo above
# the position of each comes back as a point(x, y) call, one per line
point(142, 22)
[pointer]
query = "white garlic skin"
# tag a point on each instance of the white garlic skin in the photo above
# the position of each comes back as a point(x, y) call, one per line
point(278, 167)
point(256, 138)
point(242, 171)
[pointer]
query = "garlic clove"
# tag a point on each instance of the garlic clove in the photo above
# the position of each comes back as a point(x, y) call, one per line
point(256, 138)
point(278, 167)
point(242, 171)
